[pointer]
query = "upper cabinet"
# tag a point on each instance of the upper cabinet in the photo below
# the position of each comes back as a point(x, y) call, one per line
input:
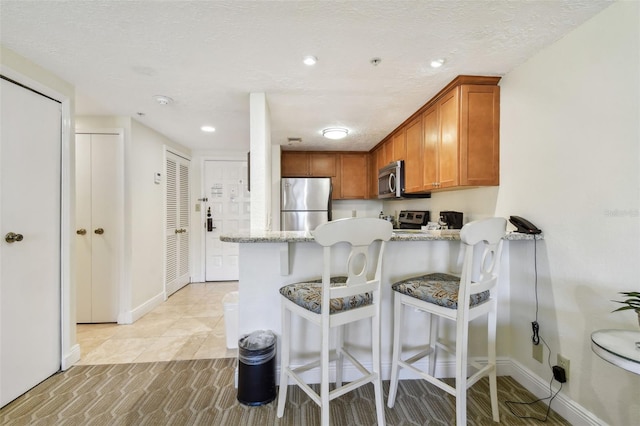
point(308, 164)
point(453, 141)
point(413, 161)
point(353, 175)
point(348, 171)
point(461, 138)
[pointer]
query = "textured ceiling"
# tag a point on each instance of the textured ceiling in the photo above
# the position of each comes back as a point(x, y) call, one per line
point(210, 55)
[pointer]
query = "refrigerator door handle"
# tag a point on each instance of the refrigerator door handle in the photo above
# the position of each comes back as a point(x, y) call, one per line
point(329, 209)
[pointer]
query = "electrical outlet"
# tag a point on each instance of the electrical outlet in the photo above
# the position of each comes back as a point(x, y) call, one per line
point(537, 353)
point(564, 363)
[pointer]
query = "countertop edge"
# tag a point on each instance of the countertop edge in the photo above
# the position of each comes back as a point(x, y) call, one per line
point(307, 237)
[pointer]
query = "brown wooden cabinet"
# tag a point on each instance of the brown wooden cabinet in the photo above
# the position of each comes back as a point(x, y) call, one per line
point(413, 161)
point(348, 171)
point(353, 176)
point(313, 164)
point(399, 146)
point(453, 141)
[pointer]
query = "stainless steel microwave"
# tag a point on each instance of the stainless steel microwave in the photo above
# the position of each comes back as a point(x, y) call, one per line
point(391, 180)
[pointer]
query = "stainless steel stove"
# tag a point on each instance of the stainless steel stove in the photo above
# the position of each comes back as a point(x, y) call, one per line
point(412, 219)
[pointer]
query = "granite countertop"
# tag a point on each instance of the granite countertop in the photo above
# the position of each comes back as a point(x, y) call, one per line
point(399, 235)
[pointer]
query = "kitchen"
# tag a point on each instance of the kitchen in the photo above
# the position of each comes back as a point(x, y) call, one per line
point(557, 108)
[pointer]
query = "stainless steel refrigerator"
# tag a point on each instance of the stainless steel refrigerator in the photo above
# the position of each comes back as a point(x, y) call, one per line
point(305, 203)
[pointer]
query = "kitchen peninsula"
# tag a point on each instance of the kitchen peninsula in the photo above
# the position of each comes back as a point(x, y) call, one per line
point(272, 259)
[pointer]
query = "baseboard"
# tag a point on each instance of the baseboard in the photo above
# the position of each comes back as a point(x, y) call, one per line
point(573, 412)
point(172, 288)
point(71, 358)
point(139, 311)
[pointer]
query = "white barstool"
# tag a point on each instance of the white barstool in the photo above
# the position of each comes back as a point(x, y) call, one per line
point(332, 303)
point(459, 299)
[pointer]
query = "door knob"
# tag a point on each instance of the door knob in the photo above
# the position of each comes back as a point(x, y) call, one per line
point(12, 237)
point(99, 231)
point(81, 231)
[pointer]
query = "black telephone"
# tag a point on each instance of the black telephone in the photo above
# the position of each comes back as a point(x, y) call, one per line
point(523, 225)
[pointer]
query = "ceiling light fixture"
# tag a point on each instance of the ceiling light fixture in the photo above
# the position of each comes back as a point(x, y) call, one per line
point(437, 63)
point(310, 60)
point(163, 100)
point(208, 129)
point(335, 133)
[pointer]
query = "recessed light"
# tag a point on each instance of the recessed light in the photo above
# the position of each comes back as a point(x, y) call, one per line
point(208, 129)
point(437, 63)
point(310, 60)
point(163, 100)
point(335, 133)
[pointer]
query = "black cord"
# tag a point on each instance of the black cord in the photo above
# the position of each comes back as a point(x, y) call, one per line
point(535, 327)
point(536, 339)
point(550, 398)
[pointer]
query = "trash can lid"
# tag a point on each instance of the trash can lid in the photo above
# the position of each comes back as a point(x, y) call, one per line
point(259, 339)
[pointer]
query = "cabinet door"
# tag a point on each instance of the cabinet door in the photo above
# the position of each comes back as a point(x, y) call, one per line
point(399, 147)
point(388, 152)
point(373, 174)
point(353, 171)
point(448, 117)
point(294, 164)
point(431, 132)
point(322, 165)
point(479, 135)
point(413, 163)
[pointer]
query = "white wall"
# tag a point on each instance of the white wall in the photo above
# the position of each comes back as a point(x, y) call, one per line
point(570, 163)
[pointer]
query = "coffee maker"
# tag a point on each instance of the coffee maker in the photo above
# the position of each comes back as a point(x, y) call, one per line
point(451, 220)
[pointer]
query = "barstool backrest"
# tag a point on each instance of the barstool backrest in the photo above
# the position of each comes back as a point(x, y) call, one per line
point(360, 233)
point(487, 233)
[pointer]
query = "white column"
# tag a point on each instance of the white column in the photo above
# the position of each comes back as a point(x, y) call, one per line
point(260, 145)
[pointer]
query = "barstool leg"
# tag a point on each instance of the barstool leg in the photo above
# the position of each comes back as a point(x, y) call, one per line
point(284, 360)
point(340, 357)
point(397, 348)
point(377, 383)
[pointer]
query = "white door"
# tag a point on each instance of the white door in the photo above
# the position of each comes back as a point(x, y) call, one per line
point(30, 328)
point(98, 232)
point(228, 203)
point(177, 223)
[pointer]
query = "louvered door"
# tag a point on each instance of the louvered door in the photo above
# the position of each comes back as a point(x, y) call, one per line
point(177, 223)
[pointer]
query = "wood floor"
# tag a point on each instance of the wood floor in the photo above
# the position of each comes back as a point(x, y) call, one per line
point(188, 325)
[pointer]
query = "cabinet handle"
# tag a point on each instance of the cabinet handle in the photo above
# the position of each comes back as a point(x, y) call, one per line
point(99, 231)
point(81, 231)
point(12, 237)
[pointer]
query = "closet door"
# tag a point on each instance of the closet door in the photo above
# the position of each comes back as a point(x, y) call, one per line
point(177, 223)
point(30, 175)
point(98, 228)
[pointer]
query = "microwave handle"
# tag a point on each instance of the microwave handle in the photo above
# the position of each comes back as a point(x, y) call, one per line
point(392, 183)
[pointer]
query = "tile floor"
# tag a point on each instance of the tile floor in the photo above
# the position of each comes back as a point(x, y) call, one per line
point(188, 325)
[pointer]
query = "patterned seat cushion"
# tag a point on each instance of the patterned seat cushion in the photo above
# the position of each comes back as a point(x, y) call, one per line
point(309, 296)
point(440, 289)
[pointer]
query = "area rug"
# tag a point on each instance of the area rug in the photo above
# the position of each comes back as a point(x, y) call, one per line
point(202, 392)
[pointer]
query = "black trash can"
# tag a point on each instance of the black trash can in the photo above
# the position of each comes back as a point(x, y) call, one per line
point(257, 368)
